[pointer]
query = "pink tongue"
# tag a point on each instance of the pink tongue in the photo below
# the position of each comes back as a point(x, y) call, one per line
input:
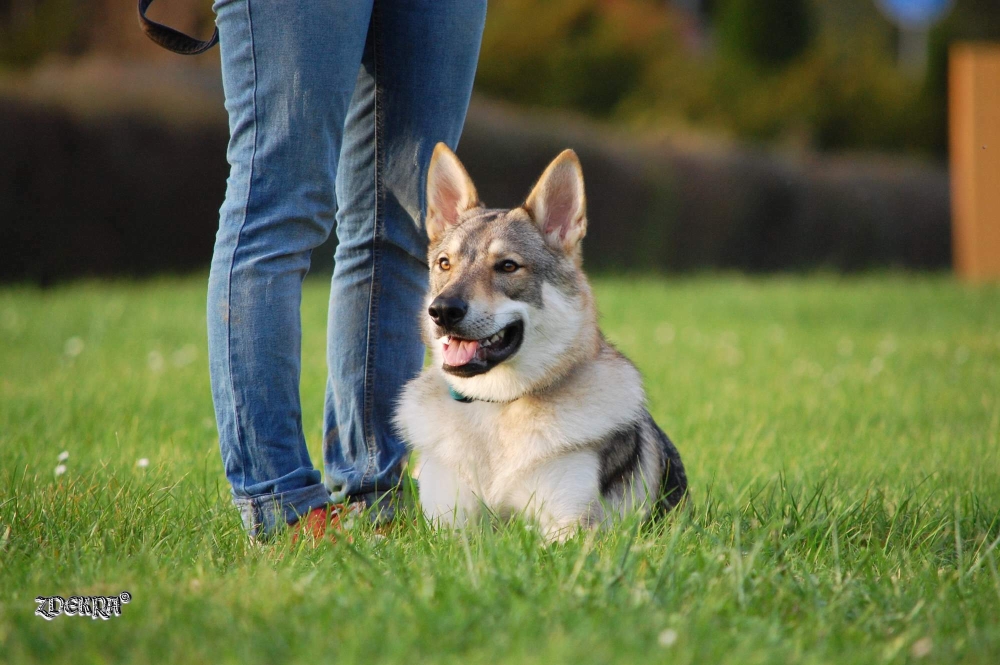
point(460, 351)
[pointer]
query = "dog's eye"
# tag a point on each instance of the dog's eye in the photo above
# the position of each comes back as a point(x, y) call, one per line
point(508, 266)
point(444, 263)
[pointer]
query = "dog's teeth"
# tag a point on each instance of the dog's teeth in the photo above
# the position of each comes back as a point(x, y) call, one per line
point(490, 341)
point(493, 339)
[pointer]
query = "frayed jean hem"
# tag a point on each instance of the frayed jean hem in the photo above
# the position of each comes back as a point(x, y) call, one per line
point(264, 516)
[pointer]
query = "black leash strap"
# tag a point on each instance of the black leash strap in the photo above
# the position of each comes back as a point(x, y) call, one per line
point(170, 39)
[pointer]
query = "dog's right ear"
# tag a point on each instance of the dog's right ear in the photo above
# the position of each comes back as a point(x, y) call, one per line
point(450, 192)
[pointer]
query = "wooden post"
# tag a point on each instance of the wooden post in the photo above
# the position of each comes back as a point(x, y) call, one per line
point(974, 110)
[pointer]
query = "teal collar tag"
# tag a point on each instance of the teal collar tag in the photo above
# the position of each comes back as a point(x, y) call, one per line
point(457, 396)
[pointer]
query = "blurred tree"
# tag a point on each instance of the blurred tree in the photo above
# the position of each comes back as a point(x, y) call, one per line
point(811, 73)
point(582, 54)
point(767, 33)
point(29, 29)
point(33, 29)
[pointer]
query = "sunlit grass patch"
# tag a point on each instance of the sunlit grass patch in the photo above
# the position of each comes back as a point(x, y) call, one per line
point(842, 439)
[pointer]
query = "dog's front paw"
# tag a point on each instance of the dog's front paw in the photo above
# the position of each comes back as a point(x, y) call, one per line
point(445, 500)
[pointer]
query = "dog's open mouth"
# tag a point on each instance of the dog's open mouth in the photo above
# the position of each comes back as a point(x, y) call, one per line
point(468, 357)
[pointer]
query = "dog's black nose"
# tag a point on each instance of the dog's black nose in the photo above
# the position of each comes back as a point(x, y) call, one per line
point(446, 312)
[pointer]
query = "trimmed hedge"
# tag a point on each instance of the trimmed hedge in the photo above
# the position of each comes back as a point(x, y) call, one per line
point(105, 196)
point(657, 206)
point(131, 195)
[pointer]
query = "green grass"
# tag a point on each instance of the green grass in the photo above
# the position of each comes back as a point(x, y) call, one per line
point(842, 438)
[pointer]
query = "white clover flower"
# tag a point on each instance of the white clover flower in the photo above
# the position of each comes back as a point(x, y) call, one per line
point(142, 462)
point(60, 470)
point(887, 346)
point(155, 360)
point(73, 347)
point(921, 647)
point(667, 638)
point(184, 356)
point(63, 456)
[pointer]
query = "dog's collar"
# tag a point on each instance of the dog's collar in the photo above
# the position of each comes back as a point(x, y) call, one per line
point(459, 397)
point(465, 399)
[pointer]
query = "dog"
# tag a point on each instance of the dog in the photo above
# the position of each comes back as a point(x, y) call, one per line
point(526, 409)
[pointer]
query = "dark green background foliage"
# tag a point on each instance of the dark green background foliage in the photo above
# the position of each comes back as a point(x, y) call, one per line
point(578, 54)
point(765, 32)
point(817, 73)
point(31, 28)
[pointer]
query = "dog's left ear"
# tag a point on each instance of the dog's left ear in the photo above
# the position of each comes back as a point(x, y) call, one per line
point(558, 203)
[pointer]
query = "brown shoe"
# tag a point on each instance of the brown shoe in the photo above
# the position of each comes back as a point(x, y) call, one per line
point(324, 523)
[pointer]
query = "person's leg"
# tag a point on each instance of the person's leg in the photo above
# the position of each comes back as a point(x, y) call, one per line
point(289, 71)
point(413, 91)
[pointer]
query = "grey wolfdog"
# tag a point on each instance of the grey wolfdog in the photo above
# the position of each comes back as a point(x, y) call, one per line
point(526, 408)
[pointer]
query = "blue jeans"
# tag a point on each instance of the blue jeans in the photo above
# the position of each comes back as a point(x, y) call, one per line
point(334, 109)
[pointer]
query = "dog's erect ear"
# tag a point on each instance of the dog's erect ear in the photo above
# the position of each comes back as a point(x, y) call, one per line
point(450, 192)
point(558, 203)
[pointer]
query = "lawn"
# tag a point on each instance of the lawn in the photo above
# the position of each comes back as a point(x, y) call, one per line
point(842, 440)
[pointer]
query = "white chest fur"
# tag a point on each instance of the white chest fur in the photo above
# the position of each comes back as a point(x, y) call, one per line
point(494, 453)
